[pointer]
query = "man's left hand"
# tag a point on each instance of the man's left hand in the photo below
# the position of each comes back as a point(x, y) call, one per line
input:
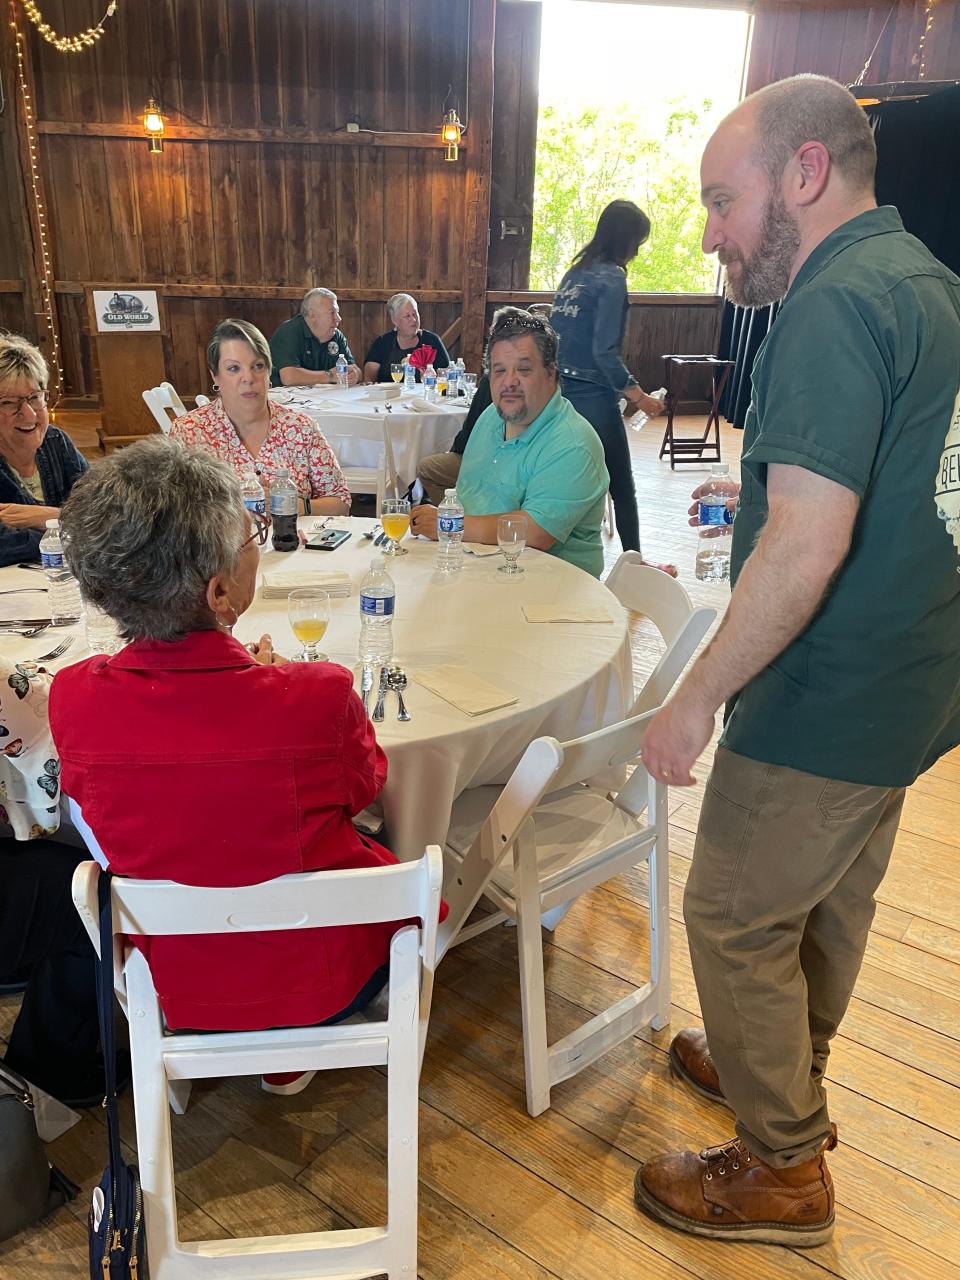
point(353, 375)
point(424, 520)
point(674, 741)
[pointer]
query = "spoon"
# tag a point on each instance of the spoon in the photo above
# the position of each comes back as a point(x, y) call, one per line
point(397, 681)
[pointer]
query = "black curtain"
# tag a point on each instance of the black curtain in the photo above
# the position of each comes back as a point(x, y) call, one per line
point(918, 167)
point(918, 170)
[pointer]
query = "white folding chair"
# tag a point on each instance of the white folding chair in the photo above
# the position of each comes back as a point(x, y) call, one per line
point(543, 839)
point(162, 1059)
point(200, 400)
point(664, 601)
point(165, 405)
point(381, 480)
point(608, 524)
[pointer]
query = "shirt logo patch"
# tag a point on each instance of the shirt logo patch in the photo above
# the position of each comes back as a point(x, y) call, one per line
point(948, 478)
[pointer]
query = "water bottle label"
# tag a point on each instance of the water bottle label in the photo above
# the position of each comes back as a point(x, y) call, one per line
point(715, 514)
point(450, 524)
point(376, 606)
point(257, 505)
point(51, 559)
point(283, 504)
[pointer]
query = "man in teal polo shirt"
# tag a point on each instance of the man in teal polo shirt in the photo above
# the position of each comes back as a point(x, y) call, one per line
point(306, 349)
point(530, 453)
point(838, 659)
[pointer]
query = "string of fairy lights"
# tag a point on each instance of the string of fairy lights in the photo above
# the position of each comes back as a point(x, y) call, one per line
point(922, 48)
point(67, 44)
point(46, 272)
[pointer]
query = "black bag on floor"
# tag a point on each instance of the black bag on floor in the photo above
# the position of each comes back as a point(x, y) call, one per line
point(117, 1250)
point(29, 1187)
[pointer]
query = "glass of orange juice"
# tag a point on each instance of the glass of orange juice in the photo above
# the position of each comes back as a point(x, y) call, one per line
point(396, 372)
point(441, 382)
point(309, 611)
point(395, 518)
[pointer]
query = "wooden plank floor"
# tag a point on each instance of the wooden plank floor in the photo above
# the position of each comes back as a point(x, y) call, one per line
point(502, 1195)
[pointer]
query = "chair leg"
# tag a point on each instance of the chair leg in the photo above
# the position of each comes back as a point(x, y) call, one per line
point(658, 907)
point(178, 1095)
point(402, 1107)
point(536, 1055)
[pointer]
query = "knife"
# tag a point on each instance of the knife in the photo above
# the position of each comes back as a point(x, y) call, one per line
point(366, 684)
point(377, 716)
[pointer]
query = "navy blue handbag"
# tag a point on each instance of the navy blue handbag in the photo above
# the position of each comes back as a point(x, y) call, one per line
point(115, 1223)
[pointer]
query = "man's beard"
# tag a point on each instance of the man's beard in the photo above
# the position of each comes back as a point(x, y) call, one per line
point(515, 415)
point(765, 275)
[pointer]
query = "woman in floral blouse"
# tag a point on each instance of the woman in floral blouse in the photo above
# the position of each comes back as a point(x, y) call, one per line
point(243, 427)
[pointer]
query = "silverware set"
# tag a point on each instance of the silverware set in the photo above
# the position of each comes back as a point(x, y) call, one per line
point(392, 680)
point(379, 538)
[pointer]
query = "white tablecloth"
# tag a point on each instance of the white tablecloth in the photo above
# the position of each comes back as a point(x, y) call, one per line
point(569, 678)
point(353, 429)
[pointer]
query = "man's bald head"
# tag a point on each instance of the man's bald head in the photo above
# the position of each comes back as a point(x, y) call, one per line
point(807, 108)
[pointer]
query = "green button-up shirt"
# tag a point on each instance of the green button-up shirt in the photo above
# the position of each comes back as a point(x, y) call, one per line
point(294, 346)
point(858, 381)
point(554, 471)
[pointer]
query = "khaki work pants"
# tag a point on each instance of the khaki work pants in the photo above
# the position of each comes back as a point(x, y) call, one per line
point(438, 472)
point(778, 906)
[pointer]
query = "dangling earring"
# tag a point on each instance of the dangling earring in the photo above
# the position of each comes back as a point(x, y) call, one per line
point(228, 626)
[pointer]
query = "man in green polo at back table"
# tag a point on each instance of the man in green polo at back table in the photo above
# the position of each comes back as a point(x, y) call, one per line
point(530, 453)
point(838, 658)
point(306, 349)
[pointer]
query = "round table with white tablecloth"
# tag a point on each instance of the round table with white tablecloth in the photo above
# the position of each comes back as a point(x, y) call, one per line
point(352, 421)
point(568, 679)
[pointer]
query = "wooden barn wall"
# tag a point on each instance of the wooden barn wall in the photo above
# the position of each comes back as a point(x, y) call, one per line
point(836, 40)
point(257, 202)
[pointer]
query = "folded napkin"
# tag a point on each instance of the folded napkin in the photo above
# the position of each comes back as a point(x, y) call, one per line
point(565, 613)
point(463, 690)
point(423, 356)
point(480, 549)
point(277, 586)
point(418, 406)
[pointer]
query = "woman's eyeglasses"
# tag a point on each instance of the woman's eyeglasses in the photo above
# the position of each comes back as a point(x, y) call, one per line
point(260, 531)
point(12, 405)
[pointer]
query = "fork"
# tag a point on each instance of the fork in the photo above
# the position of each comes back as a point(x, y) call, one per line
point(58, 652)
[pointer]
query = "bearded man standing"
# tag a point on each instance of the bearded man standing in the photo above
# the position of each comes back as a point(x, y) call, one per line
point(838, 658)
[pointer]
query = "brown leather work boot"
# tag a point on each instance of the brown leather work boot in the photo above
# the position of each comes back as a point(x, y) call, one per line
point(690, 1061)
point(727, 1193)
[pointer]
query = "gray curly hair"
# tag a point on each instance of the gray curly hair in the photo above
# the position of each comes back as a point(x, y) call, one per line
point(146, 529)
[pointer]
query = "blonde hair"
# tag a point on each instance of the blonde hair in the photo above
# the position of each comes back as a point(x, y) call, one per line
point(19, 358)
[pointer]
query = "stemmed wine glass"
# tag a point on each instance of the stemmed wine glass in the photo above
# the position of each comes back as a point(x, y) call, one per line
point(309, 612)
point(395, 519)
point(396, 372)
point(511, 538)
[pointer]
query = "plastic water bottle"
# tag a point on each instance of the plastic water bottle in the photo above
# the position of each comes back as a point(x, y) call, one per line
point(409, 377)
point(430, 383)
point(716, 525)
point(63, 593)
point(640, 419)
point(252, 490)
point(100, 630)
point(450, 533)
point(453, 382)
point(377, 598)
point(461, 370)
point(283, 512)
point(342, 366)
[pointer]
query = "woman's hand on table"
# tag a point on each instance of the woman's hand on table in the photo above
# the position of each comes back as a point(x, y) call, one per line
point(24, 515)
point(262, 651)
point(423, 520)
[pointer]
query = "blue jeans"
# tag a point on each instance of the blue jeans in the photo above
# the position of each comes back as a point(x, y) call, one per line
point(601, 408)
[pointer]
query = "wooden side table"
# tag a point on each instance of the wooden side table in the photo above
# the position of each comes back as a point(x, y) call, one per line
point(706, 447)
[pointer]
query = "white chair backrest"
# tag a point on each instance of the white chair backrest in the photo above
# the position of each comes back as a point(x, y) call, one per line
point(307, 900)
point(200, 400)
point(165, 405)
point(664, 601)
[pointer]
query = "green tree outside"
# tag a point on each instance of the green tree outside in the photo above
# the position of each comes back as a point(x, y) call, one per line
point(587, 157)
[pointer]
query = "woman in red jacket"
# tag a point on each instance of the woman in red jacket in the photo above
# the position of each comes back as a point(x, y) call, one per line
point(194, 760)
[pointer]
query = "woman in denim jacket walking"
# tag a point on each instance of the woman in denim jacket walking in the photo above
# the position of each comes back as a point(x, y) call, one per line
point(589, 313)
